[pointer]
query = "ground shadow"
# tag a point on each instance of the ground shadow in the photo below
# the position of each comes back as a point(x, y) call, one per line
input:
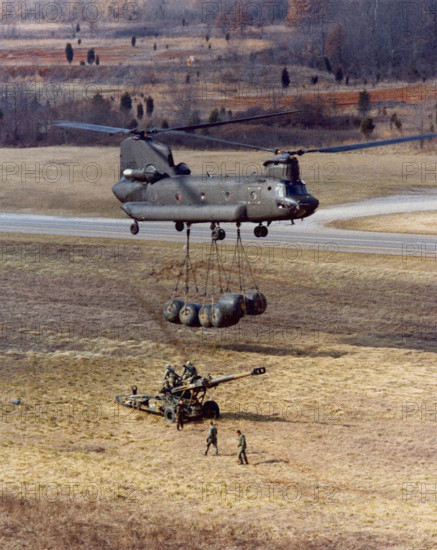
point(272, 461)
point(253, 417)
point(277, 350)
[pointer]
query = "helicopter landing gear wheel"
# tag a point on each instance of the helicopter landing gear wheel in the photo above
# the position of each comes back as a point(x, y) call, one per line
point(260, 231)
point(134, 228)
point(218, 234)
point(179, 226)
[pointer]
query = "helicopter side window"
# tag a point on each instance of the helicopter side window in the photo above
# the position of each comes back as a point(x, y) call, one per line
point(280, 190)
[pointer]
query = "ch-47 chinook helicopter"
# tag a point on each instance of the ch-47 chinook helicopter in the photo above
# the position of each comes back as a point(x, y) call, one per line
point(153, 188)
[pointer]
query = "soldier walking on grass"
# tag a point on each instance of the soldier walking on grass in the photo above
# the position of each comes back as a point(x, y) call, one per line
point(242, 448)
point(211, 439)
point(179, 414)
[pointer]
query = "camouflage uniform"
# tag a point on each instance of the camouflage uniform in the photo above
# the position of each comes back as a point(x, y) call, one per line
point(170, 377)
point(211, 439)
point(179, 414)
point(190, 372)
point(242, 448)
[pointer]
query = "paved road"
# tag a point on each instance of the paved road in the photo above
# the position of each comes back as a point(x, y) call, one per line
point(309, 234)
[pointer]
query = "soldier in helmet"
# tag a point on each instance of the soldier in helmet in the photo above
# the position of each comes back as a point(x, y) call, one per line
point(211, 439)
point(242, 448)
point(179, 413)
point(190, 372)
point(170, 378)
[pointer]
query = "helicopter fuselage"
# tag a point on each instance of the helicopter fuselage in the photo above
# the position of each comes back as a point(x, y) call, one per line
point(196, 199)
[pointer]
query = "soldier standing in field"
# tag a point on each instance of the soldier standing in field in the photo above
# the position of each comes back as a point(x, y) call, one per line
point(179, 413)
point(242, 448)
point(211, 439)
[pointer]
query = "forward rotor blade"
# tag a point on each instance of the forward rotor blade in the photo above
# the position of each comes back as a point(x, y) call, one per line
point(222, 123)
point(367, 145)
point(92, 127)
point(218, 140)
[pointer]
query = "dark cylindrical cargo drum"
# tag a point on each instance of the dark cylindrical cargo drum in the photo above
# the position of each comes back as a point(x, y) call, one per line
point(171, 311)
point(189, 315)
point(220, 319)
point(232, 303)
point(205, 316)
point(228, 310)
point(256, 302)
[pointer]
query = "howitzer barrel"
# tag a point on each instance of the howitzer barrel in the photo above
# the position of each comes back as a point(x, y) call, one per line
point(212, 382)
point(216, 381)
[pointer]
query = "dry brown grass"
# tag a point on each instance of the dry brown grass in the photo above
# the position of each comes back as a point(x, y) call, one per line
point(54, 525)
point(422, 223)
point(346, 344)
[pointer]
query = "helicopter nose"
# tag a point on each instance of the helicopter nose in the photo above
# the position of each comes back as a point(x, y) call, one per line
point(120, 191)
point(291, 204)
point(308, 206)
point(314, 204)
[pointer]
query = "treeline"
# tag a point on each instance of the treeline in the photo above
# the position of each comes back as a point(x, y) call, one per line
point(26, 120)
point(378, 39)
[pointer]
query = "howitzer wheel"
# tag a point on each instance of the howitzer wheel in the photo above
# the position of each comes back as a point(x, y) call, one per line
point(210, 410)
point(169, 415)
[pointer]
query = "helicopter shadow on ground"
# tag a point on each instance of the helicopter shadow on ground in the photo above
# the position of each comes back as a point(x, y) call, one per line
point(253, 417)
point(398, 340)
point(282, 351)
point(426, 342)
point(271, 461)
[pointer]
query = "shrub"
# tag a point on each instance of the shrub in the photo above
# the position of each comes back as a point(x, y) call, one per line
point(367, 126)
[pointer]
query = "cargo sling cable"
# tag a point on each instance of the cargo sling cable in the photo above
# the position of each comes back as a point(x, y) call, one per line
point(231, 306)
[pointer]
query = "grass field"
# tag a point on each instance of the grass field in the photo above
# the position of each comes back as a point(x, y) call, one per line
point(341, 429)
point(78, 180)
point(422, 223)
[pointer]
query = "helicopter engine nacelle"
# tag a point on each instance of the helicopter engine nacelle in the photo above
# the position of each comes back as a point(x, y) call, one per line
point(149, 174)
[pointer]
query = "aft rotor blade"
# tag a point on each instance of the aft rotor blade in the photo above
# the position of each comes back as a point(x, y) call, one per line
point(92, 127)
point(225, 141)
point(380, 143)
point(221, 123)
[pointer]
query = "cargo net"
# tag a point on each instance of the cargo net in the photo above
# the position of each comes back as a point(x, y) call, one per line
point(217, 306)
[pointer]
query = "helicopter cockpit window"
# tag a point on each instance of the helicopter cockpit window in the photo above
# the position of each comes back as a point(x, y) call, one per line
point(285, 189)
point(297, 189)
point(182, 169)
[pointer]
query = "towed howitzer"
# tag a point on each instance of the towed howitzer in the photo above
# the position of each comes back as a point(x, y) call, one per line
point(192, 394)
